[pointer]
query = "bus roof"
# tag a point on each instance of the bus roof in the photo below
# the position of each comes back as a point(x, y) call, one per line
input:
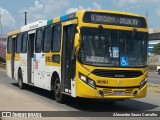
point(81, 12)
point(33, 25)
point(13, 32)
point(78, 13)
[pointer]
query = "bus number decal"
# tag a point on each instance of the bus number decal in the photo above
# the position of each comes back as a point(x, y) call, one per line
point(48, 59)
point(102, 81)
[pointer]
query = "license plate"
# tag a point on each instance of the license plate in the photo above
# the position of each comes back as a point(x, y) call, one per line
point(118, 92)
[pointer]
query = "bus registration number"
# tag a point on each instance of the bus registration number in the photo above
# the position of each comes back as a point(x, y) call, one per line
point(118, 92)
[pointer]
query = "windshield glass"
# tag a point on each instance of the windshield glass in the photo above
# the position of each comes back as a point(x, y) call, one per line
point(113, 47)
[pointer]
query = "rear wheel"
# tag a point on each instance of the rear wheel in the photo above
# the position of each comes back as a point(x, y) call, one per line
point(159, 71)
point(20, 80)
point(59, 97)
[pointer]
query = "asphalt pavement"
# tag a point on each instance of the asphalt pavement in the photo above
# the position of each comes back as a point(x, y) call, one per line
point(153, 77)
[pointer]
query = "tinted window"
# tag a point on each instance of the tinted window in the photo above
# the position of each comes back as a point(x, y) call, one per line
point(18, 42)
point(56, 38)
point(47, 39)
point(24, 42)
point(38, 44)
point(9, 45)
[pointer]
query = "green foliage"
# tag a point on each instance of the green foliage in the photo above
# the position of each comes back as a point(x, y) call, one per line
point(156, 49)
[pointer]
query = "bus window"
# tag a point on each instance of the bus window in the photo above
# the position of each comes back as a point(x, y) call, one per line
point(56, 38)
point(24, 43)
point(18, 42)
point(47, 39)
point(9, 45)
point(38, 42)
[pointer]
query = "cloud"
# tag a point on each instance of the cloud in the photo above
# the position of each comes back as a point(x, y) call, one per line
point(45, 10)
point(37, 6)
point(34, 12)
point(95, 5)
point(152, 0)
point(121, 3)
point(7, 19)
point(71, 10)
point(54, 8)
point(158, 12)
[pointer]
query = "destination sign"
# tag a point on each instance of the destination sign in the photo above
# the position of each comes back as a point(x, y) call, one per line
point(114, 19)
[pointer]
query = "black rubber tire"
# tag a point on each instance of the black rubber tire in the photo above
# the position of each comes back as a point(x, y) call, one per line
point(59, 97)
point(20, 80)
point(159, 72)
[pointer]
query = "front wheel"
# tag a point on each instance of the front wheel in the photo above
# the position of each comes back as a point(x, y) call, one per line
point(59, 97)
point(159, 71)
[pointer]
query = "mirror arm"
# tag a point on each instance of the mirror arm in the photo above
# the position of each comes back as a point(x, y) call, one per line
point(78, 29)
point(73, 54)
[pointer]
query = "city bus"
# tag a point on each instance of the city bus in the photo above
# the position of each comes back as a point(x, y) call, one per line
point(96, 54)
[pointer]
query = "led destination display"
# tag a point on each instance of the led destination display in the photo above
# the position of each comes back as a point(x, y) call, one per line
point(114, 19)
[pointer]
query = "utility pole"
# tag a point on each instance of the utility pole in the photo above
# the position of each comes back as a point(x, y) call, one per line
point(25, 18)
point(1, 24)
point(147, 14)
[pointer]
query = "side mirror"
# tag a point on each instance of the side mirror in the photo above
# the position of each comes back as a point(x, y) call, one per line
point(76, 44)
point(76, 40)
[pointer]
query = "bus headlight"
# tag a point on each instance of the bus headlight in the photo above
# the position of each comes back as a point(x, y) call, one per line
point(82, 77)
point(88, 81)
point(143, 82)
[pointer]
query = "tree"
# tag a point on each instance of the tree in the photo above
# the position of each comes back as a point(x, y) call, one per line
point(156, 49)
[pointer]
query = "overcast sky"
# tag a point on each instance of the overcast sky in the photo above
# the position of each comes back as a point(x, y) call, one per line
point(12, 11)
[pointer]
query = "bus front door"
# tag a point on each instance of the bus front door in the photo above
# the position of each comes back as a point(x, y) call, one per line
point(68, 65)
point(13, 57)
point(30, 54)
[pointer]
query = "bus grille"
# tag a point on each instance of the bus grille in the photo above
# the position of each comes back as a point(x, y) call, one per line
point(127, 92)
point(117, 73)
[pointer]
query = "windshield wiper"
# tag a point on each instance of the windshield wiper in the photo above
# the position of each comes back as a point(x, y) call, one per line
point(105, 34)
point(107, 37)
point(132, 36)
point(133, 33)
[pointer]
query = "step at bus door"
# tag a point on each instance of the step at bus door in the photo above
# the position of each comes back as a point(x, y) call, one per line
point(30, 60)
point(68, 65)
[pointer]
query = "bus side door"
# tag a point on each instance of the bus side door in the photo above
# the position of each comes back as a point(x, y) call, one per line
point(30, 54)
point(39, 60)
point(68, 65)
point(13, 57)
point(8, 56)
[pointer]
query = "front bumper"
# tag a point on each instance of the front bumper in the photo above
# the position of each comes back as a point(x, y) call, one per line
point(85, 91)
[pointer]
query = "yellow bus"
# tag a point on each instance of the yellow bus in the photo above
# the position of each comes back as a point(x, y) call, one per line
point(97, 54)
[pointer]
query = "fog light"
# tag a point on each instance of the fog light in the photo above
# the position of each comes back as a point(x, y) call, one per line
point(101, 92)
point(143, 82)
point(135, 93)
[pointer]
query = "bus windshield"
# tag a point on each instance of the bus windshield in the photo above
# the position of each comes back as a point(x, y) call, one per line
point(113, 47)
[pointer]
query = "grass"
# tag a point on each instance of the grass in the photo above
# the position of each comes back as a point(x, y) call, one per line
point(154, 88)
